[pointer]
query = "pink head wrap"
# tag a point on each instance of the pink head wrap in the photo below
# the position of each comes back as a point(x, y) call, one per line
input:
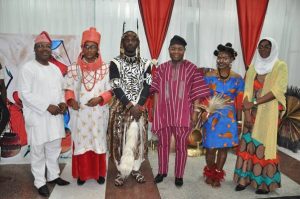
point(42, 37)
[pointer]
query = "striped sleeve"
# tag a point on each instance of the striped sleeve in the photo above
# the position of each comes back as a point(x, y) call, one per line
point(155, 81)
point(199, 87)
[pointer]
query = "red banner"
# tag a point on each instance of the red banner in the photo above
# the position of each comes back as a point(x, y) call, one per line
point(251, 14)
point(156, 15)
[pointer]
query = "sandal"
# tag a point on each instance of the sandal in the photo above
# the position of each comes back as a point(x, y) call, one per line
point(119, 181)
point(138, 176)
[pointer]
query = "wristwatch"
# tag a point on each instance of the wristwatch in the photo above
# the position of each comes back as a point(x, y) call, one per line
point(255, 102)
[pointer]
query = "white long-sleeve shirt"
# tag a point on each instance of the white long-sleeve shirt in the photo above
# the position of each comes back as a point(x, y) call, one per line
point(39, 86)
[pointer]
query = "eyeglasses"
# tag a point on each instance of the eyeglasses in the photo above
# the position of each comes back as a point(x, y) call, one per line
point(47, 46)
point(92, 47)
point(267, 47)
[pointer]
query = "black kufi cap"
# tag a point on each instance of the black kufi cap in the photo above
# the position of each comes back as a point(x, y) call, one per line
point(178, 40)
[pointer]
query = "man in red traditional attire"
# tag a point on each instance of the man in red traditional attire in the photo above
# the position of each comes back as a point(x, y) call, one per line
point(177, 84)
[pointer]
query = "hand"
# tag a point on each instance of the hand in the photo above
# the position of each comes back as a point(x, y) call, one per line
point(63, 107)
point(204, 116)
point(248, 124)
point(94, 101)
point(194, 119)
point(53, 109)
point(248, 120)
point(246, 104)
point(136, 112)
point(239, 129)
point(74, 104)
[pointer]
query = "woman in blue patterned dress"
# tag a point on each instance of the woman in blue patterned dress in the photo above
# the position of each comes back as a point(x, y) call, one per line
point(220, 131)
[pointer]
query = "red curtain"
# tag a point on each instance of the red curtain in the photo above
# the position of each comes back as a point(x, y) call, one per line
point(251, 14)
point(156, 15)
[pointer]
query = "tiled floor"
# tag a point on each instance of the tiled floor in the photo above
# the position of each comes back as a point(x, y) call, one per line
point(195, 187)
point(16, 182)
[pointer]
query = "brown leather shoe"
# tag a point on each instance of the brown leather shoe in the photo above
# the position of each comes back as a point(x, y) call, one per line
point(44, 191)
point(60, 182)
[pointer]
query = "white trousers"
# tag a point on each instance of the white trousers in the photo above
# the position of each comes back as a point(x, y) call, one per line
point(42, 157)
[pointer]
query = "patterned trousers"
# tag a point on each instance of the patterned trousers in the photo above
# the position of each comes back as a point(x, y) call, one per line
point(164, 137)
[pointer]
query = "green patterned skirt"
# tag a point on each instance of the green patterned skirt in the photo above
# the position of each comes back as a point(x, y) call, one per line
point(251, 167)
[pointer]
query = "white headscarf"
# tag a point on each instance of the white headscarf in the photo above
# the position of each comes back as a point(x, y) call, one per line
point(265, 65)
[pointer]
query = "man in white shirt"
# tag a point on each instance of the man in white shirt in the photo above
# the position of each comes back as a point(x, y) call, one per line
point(41, 91)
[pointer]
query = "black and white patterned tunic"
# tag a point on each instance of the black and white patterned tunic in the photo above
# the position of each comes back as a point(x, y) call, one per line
point(130, 80)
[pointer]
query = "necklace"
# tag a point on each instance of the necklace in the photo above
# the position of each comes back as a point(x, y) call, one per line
point(130, 59)
point(222, 77)
point(93, 80)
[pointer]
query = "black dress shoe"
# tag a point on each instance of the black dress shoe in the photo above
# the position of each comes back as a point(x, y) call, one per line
point(178, 182)
point(101, 180)
point(261, 191)
point(60, 182)
point(240, 187)
point(80, 182)
point(159, 178)
point(44, 191)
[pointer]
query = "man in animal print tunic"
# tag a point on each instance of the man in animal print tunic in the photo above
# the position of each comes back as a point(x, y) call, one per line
point(130, 79)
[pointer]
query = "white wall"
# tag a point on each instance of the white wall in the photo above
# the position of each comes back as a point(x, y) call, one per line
point(204, 24)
